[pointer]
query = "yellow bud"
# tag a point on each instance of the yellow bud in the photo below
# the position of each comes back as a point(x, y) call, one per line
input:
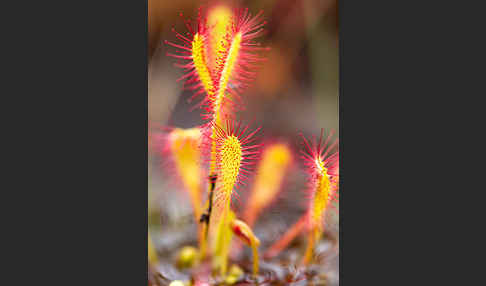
point(187, 257)
point(176, 283)
point(234, 274)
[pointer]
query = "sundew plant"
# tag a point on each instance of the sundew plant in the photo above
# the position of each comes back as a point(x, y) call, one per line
point(221, 54)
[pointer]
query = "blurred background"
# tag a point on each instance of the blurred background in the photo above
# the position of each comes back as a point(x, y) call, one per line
point(296, 90)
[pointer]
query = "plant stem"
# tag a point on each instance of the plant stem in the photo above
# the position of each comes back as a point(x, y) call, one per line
point(314, 236)
point(254, 249)
point(224, 236)
point(206, 218)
